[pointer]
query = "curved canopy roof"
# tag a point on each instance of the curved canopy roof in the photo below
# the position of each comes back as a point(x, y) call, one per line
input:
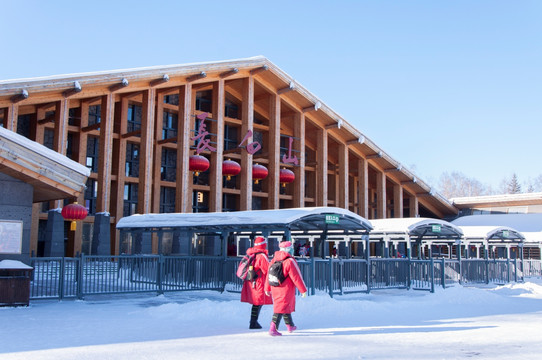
point(532, 237)
point(492, 233)
point(421, 228)
point(296, 219)
point(520, 222)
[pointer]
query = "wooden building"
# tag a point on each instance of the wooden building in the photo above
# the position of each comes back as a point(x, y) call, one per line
point(137, 129)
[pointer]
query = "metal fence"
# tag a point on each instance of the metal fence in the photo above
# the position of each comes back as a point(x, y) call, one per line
point(59, 278)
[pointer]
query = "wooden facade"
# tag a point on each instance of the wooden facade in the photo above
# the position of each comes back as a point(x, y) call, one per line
point(134, 130)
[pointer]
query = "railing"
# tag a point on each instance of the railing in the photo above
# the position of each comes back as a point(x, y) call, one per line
point(58, 278)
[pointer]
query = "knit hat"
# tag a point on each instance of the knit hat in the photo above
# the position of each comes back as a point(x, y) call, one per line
point(287, 246)
point(260, 243)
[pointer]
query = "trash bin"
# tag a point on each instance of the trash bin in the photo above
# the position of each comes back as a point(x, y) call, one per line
point(14, 283)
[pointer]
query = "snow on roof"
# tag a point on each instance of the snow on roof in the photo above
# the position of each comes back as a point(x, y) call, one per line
point(520, 222)
point(408, 225)
point(486, 232)
point(13, 264)
point(533, 237)
point(496, 198)
point(43, 151)
point(252, 218)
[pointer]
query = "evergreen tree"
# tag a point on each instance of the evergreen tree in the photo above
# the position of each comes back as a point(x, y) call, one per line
point(513, 185)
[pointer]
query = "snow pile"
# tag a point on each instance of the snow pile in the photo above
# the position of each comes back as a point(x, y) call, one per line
point(488, 322)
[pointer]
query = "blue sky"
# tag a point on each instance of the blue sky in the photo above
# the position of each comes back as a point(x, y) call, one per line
point(439, 85)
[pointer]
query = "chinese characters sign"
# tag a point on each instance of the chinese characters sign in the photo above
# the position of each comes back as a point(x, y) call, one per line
point(203, 142)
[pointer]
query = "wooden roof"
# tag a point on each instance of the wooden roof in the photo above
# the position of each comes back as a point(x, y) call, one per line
point(270, 78)
point(52, 175)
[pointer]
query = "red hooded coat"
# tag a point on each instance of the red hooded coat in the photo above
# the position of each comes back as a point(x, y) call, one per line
point(253, 291)
point(284, 295)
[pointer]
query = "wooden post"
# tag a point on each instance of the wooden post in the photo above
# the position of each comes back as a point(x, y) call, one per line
point(397, 201)
point(321, 168)
point(157, 154)
point(363, 187)
point(299, 145)
point(343, 176)
point(273, 182)
point(12, 117)
point(146, 152)
point(183, 201)
point(246, 157)
point(414, 208)
point(215, 178)
point(106, 151)
point(380, 195)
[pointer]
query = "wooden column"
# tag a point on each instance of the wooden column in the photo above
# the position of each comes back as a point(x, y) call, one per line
point(121, 170)
point(246, 158)
point(106, 153)
point(414, 209)
point(11, 117)
point(157, 162)
point(397, 201)
point(146, 152)
point(183, 201)
point(321, 168)
point(60, 139)
point(217, 157)
point(343, 176)
point(380, 195)
point(299, 145)
point(363, 188)
point(273, 181)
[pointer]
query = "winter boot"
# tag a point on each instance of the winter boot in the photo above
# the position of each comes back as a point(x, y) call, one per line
point(273, 330)
point(254, 314)
point(291, 328)
point(254, 325)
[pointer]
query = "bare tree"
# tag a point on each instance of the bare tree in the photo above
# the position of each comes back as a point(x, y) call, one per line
point(457, 184)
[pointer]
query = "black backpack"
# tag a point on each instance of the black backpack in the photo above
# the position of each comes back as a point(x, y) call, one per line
point(275, 276)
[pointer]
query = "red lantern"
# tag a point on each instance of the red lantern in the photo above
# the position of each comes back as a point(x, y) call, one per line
point(259, 172)
point(198, 164)
point(230, 168)
point(286, 176)
point(74, 212)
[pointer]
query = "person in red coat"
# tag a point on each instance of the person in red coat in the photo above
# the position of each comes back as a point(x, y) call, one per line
point(284, 294)
point(253, 292)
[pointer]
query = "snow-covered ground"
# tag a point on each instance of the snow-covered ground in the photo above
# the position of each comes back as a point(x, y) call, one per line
point(490, 322)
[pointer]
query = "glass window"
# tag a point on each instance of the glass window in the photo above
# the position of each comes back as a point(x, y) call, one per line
point(48, 138)
point(23, 125)
point(171, 99)
point(230, 137)
point(92, 153)
point(132, 160)
point(169, 164)
point(167, 200)
point(91, 193)
point(204, 101)
point(231, 110)
point(135, 114)
point(130, 199)
point(94, 114)
point(169, 125)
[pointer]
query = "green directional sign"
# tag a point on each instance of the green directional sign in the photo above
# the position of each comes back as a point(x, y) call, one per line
point(436, 228)
point(332, 219)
